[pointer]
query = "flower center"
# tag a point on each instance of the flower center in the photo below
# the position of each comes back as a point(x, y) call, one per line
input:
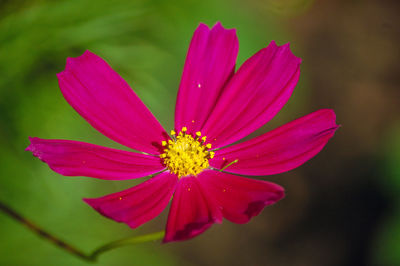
point(186, 155)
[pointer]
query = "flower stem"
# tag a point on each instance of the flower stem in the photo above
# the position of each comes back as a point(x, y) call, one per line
point(72, 249)
point(127, 241)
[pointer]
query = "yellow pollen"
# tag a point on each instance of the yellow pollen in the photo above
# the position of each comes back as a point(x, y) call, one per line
point(173, 132)
point(186, 156)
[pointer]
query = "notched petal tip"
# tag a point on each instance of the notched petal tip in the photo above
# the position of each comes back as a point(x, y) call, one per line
point(32, 147)
point(285, 48)
point(60, 75)
point(331, 113)
point(330, 116)
point(272, 44)
point(70, 62)
point(218, 24)
point(220, 29)
point(216, 27)
point(202, 27)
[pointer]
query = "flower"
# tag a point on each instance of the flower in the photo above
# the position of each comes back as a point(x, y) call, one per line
point(215, 107)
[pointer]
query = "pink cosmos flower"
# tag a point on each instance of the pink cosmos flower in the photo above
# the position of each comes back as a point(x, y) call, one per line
point(216, 107)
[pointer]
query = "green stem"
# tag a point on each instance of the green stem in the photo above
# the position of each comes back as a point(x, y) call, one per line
point(72, 249)
point(127, 241)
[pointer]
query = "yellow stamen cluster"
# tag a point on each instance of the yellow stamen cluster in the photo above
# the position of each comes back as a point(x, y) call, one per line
point(186, 155)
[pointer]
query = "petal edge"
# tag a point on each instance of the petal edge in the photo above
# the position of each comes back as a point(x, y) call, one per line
point(75, 158)
point(281, 149)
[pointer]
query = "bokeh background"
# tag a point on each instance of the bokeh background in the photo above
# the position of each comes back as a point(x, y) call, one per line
point(341, 208)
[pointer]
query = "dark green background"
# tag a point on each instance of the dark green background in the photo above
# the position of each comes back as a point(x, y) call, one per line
point(341, 208)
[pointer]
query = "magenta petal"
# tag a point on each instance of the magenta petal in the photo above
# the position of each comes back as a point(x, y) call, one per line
point(254, 95)
point(192, 211)
point(107, 102)
point(281, 149)
point(75, 158)
point(209, 64)
point(240, 198)
point(139, 204)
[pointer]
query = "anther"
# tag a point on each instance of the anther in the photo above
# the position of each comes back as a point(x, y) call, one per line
point(185, 154)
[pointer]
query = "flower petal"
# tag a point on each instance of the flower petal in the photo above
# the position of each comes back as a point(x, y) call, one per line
point(75, 158)
point(107, 102)
point(254, 95)
point(209, 64)
point(139, 204)
point(192, 211)
point(281, 149)
point(240, 198)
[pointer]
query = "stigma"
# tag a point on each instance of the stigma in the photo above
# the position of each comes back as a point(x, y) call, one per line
point(186, 155)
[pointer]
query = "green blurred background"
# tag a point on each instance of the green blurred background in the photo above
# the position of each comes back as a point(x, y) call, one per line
point(341, 208)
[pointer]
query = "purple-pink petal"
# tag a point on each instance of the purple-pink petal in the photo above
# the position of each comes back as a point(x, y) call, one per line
point(210, 62)
point(254, 95)
point(75, 158)
point(107, 102)
point(192, 211)
point(281, 149)
point(240, 198)
point(139, 204)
